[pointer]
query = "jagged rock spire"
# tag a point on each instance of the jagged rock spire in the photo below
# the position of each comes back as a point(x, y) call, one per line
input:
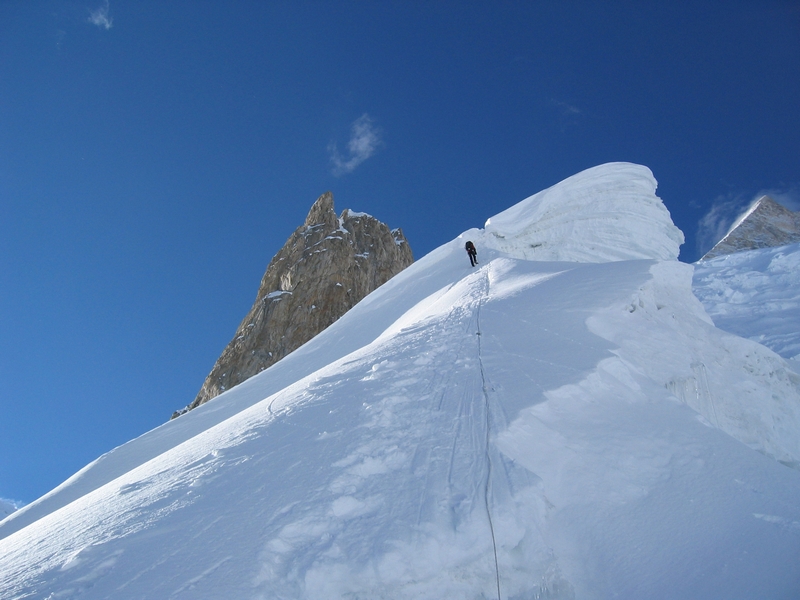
point(322, 212)
point(326, 266)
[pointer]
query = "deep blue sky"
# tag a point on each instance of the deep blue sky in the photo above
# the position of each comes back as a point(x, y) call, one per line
point(155, 155)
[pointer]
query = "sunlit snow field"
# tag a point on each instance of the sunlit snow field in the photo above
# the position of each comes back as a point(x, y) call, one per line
point(562, 421)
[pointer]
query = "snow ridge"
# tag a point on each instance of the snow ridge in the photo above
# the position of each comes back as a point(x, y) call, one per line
point(605, 213)
point(523, 429)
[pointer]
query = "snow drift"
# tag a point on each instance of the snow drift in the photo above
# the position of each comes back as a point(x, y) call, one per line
point(755, 294)
point(526, 429)
point(602, 214)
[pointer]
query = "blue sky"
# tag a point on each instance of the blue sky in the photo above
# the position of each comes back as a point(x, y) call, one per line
point(155, 155)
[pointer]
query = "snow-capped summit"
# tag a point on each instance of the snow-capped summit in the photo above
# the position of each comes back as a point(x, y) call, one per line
point(521, 429)
point(766, 224)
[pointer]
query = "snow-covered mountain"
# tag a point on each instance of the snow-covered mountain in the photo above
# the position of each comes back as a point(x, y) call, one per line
point(562, 421)
point(766, 224)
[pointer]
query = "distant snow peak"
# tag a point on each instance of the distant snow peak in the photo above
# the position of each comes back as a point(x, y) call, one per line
point(603, 214)
point(766, 224)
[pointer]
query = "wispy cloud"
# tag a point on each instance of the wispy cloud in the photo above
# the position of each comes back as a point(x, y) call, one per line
point(100, 17)
point(717, 222)
point(569, 115)
point(8, 506)
point(726, 210)
point(365, 139)
point(788, 197)
point(566, 108)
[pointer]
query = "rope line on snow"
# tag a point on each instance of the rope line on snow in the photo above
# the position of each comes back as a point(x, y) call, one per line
point(488, 455)
point(710, 395)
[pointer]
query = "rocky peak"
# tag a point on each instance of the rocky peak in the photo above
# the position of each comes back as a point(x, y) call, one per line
point(766, 224)
point(325, 268)
point(322, 212)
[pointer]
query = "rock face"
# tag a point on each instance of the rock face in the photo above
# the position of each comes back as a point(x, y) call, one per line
point(766, 224)
point(327, 266)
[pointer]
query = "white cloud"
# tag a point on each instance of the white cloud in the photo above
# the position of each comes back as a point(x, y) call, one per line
point(365, 139)
point(100, 17)
point(8, 506)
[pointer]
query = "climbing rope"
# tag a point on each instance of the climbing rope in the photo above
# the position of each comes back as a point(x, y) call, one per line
point(487, 487)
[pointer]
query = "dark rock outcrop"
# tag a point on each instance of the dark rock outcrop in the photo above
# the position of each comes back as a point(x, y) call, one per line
point(327, 265)
point(766, 224)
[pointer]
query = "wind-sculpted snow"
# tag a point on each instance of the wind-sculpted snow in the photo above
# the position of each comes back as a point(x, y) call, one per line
point(522, 429)
point(755, 294)
point(605, 213)
point(736, 385)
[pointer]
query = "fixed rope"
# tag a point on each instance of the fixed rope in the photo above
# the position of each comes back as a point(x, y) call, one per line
point(487, 487)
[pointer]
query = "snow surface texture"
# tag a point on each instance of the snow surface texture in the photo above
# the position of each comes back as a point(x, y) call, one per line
point(602, 214)
point(517, 430)
point(755, 294)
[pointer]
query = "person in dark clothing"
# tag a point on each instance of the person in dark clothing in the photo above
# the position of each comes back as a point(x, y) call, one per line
point(473, 253)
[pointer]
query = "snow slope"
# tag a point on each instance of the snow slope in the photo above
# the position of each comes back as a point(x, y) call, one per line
point(524, 429)
point(755, 294)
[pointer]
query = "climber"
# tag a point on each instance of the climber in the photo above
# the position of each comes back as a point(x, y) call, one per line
point(473, 254)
